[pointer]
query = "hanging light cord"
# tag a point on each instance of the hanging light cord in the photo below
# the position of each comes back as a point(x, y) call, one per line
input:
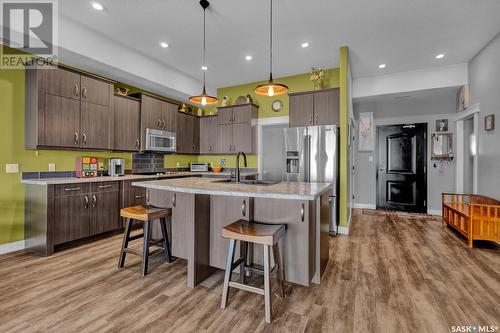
point(204, 47)
point(271, 42)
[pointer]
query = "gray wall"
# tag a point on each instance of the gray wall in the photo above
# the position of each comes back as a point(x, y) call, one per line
point(424, 108)
point(484, 80)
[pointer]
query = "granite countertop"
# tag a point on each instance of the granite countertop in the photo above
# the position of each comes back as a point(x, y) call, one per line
point(74, 180)
point(196, 185)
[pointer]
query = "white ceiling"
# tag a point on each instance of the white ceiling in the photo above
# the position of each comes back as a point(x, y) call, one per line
point(404, 34)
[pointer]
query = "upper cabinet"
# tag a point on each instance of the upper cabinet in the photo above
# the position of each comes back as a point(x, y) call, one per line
point(208, 135)
point(236, 129)
point(127, 124)
point(188, 134)
point(67, 109)
point(320, 107)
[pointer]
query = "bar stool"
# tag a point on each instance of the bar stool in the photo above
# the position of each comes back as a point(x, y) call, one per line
point(146, 214)
point(267, 235)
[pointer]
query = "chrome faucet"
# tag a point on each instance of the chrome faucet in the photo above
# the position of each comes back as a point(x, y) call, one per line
point(238, 164)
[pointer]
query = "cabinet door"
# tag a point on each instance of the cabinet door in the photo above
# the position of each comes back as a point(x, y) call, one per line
point(105, 212)
point(223, 211)
point(182, 210)
point(61, 125)
point(225, 139)
point(195, 124)
point(301, 110)
point(151, 116)
point(61, 82)
point(71, 217)
point(184, 133)
point(127, 124)
point(327, 108)
point(242, 114)
point(242, 138)
point(208, 135)
point(169, 111)
point(94, 126)
point(95, 91)
point(225, 115)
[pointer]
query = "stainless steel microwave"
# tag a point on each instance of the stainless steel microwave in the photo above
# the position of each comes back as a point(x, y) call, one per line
point(160, 141)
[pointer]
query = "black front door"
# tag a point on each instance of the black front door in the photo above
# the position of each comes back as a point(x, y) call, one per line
point(401, 172)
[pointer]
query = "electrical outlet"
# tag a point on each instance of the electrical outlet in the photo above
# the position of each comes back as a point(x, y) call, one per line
point(178, 165)
point(11, 168)
point(52, 167)
point(370, 158)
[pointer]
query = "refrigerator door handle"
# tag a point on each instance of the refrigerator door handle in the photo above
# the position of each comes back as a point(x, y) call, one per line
point(307, 157)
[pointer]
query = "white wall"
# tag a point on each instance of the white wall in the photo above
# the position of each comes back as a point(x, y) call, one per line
point(401, 111)
point(484, 80)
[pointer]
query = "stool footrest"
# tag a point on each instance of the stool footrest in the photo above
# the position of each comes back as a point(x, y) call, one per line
point(131, 238)
point(257, 270)
point(132, 251)
point(237, 263)
point(245, 287)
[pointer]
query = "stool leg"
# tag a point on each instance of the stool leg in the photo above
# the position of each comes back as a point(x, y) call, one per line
point(126, 236)
point(279, 262)
point(267, 284)
point(166, 242)
point(229, 271)
point(145, 252)
point(243, 254)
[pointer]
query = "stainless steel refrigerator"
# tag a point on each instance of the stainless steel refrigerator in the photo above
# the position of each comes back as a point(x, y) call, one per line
point(312, 155)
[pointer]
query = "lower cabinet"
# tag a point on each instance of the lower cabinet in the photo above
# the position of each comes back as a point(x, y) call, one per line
point(71, 217)
point(105, 212)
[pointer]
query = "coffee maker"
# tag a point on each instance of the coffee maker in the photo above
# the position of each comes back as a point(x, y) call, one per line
point(116, 167)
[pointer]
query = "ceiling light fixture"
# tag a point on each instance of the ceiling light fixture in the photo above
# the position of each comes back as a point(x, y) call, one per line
point(440, 56)
point(204, 98)
point(382, 66)
point(164, 45)
point(248, 58)
point(97, 6)
point(204, 68)
point(271, 88)
point(304, 45)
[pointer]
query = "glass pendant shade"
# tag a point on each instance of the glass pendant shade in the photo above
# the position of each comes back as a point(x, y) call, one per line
point(270, 88)
point(204, 99)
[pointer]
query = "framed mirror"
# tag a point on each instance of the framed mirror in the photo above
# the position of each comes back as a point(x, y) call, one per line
point(442, 146)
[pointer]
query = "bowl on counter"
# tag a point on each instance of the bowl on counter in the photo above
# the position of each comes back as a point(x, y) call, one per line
point(217, 169)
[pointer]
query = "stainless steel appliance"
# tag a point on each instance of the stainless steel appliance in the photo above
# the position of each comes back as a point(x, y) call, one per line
point(116, 167)
point(198, 167)
point(312, 155)
point(160, 141)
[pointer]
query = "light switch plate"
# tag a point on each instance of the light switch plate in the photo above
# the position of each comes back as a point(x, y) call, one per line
point(11, 168)
point(52, 167)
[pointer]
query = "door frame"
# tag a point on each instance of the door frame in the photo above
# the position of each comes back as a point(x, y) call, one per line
point(425, 164)
point(472, 112)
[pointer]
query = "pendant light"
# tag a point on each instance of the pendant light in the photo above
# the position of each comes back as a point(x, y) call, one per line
point(271, 88)
point(204, 98)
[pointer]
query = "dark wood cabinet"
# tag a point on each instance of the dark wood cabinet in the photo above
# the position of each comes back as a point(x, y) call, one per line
point(236, 130)
point(71, 217)
point(105, 203)
point(67, 109)
point(169, 113)
point(188, 134)
point(127, 123)
point(321, 107)
point(208, 135)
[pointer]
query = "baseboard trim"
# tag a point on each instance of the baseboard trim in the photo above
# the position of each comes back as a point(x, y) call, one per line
point(12, 247)
point(434, 212)
point(364, 206)
point(343, 230)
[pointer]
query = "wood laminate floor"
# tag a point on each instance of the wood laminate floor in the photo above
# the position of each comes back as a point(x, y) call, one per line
point(391, 274)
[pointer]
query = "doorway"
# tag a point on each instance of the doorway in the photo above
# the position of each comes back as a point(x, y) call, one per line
point(402, 168)
point(272, 155)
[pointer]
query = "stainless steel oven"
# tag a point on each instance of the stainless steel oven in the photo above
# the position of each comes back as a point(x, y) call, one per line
point(160, 141)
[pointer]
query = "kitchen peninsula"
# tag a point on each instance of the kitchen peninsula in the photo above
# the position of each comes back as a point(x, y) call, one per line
point(202, 206)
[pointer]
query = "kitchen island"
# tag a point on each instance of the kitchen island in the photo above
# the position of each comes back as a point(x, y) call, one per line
point(201, 207)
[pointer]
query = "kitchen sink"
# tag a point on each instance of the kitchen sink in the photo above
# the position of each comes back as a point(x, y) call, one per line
point(246, 181)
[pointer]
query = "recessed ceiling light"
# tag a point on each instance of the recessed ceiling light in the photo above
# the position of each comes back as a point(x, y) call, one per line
point(204, 68)
point(97, 6)
point(382, 66)
point(304, 45)
point(164, 45)
point(248, 58)
point(440, 56)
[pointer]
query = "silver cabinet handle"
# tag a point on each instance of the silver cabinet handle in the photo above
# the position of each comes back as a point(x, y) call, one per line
point(209, 148)
point(244, 208)
point(94, 201)
point(84, 138)
point(86, 205)
point(76, 138)
point(159, 123)
point(75, 90)
point(72, 189)
point(137, 143)
point(104, 186)
point(302, 212)
point(164, 124)
point(173, 200)
point(316, 119)
point(311, 119)
point(230, 147)
point(140, 196)
point(84, 93)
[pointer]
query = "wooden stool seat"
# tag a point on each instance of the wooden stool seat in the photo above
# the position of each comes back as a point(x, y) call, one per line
point(145, 213)
point(257, 233)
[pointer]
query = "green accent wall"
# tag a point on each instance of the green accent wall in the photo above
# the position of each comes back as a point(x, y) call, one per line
point(344, 121)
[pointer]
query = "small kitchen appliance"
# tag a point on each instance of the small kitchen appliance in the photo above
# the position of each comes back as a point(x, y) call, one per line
point(86, 167)
point(160, 141)
point(199, 167)
point(116, 167)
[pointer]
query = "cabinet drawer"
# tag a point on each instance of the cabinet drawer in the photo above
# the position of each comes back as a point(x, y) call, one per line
point(105, 187)
point(71, 189)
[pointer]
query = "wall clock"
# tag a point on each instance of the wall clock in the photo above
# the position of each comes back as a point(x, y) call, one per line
point(277, 105)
